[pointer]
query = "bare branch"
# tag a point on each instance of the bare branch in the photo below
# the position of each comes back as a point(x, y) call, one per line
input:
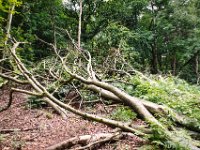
point(92, 145)
point(86, 139)
point(70, 37)
point(11, 94)
point(13, 79)
point(3, 59)
point(27, 92)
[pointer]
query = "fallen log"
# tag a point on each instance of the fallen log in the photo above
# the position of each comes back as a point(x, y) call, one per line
point(92, 141)
point(88, 141)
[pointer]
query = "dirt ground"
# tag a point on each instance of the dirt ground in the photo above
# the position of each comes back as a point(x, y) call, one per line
point(37, 129)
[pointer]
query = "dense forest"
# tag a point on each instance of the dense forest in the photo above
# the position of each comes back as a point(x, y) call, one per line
point(136, 59)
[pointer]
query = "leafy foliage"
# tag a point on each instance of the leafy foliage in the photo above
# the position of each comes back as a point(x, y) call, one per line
point(174, 92)
point(159, 139)
point(1, 82)
point(123, 114)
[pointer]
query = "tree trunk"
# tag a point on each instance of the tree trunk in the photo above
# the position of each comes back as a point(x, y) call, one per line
point(173, 63)
point(154, 69)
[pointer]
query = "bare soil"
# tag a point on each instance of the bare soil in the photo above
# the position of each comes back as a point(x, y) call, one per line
point(37, 129)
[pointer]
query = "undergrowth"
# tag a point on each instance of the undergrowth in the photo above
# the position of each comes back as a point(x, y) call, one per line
point(171, 91)
point(123, 113)
point(35, 102)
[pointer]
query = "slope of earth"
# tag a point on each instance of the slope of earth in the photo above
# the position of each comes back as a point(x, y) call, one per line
point(37, 129)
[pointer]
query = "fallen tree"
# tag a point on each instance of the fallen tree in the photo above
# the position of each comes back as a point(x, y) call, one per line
point(144, 109)
point(154, 108)
point(84, 73)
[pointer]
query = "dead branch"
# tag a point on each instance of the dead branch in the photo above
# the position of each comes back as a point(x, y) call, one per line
point(33, 81)
point(27, 92)
point(95, 144)
point(1, 60)
point(6, 131)
point(11, 97)
point(88, 140)
point(92, 141)
point(13, 79)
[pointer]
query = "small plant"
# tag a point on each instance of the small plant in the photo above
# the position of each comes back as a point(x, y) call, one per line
point(123, 114)
point(17, 143)
point(1, 138)
point(160, 139)
point(2, 82)
point(48, 115)
point(35, 102)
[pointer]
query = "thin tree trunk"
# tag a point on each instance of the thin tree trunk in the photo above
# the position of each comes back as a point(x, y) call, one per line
point(173, 64)
point(154, 50)
point(79, 25)
point(4, 51)
point(9, 22)
point(197, 67)
point(154, 58)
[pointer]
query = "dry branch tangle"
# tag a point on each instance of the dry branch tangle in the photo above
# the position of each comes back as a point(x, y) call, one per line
point(60, 107)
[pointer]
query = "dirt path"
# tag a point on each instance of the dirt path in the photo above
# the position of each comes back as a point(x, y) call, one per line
point(41, 128)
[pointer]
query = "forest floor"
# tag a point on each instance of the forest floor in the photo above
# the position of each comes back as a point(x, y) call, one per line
point(37, 129)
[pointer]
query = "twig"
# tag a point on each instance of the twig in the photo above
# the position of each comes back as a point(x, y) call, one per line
point(5, 131)
point(13, 79)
